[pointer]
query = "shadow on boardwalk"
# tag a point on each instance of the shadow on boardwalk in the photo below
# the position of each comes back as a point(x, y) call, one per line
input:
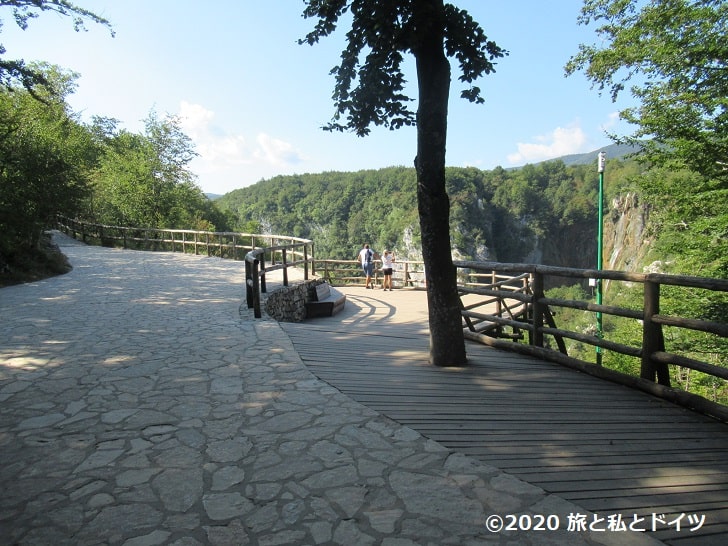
point(603, 446)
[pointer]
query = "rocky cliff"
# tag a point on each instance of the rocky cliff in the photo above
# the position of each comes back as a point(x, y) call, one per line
point(625, 241)
point(625, 244)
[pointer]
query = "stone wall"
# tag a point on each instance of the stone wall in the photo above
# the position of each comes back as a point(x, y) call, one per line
point(288, 303)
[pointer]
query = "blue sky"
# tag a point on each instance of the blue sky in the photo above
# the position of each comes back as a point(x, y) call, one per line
point(253, 100)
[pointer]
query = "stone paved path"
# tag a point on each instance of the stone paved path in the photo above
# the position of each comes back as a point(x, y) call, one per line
point(140, 406)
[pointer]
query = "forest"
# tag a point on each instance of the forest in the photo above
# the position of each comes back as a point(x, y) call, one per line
point(505, 215)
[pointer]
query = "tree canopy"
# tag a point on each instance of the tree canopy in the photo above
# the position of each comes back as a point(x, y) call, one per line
point(143, 180)
point(370, 83)
point(547, 209)
point(43, 161)
point(674, 56)
point(51, 163)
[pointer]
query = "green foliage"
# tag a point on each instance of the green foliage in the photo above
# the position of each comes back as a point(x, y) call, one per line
point(373, 92)
point(691, 217)
point(52, 164)
point(142, 180)
point(674, 53)
point(370, 90)
point(573, 319)
point(676, 302)
point(620, 329)
point(689, 236)
point(43, 162)
point(339, 211)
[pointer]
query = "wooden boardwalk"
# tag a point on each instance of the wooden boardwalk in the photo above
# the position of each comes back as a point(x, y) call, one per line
point(603, 446)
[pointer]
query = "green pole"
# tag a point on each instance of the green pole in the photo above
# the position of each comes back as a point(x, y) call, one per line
point(600, 242)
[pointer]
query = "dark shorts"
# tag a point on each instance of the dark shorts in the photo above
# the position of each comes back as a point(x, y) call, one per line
point(387, 272)
point(368, 269)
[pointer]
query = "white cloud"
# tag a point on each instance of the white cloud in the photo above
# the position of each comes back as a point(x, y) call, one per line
point(215, 148)
point(275, 151)
point(561, 141)
point(194, 119)
point(225, 159)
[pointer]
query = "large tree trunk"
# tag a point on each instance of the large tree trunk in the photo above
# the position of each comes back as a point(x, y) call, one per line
point(447, 343)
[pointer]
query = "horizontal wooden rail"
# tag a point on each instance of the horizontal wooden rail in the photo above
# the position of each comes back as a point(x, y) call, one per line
point(223, 244)
point(498, 319)
point(588, 306)
point(538, 321)
point(405, 273)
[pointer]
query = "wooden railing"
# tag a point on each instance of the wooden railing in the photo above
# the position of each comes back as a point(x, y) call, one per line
point(256, 268)
point(546, 340)
point(493, 302)
point(336, 272)
point(228, 245)
point(406, 273)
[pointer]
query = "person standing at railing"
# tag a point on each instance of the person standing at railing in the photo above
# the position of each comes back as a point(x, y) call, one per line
point(387, 267)
point(366, 259)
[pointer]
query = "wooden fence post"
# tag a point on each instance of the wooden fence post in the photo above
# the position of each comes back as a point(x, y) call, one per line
point(652, 337)
point(305, 262)
point(256, 290)
point(313, 263)
point(537, 309)
point(284, 258)
point(248, 284)
point(263, 286)
point(499, 301)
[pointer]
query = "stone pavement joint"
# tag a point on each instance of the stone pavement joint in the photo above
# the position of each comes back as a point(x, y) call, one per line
point(140, 407)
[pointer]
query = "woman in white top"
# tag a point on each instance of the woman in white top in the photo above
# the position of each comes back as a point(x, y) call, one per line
point(387, 266)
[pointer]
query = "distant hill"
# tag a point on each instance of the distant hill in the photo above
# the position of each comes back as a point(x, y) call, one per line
point(613, 151)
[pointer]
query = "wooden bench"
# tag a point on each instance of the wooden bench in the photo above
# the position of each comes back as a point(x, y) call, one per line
point(326, 302)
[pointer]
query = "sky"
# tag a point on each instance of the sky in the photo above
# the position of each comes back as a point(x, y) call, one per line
point(254, 101)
